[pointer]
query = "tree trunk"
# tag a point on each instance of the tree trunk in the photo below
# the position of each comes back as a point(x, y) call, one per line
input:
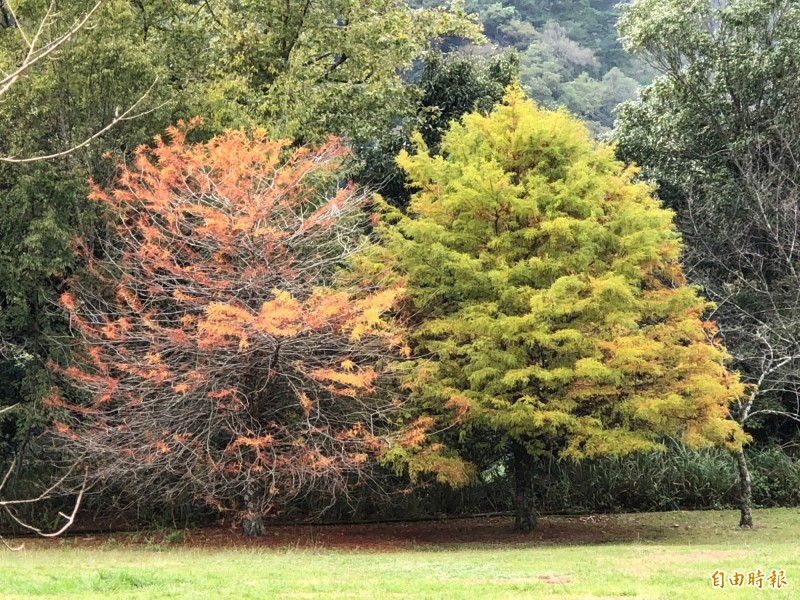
point(745, 490)
point(525, 503)
point(252, 523)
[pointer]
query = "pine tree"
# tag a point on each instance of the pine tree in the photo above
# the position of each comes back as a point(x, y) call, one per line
point(553, 308)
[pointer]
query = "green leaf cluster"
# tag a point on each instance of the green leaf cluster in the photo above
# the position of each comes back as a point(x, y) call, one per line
point(310, 69)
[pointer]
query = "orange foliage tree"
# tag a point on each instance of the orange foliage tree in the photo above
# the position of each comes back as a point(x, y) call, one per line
point(220, 355)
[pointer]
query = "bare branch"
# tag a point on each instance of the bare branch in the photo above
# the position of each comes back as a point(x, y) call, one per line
point(5, 410)
point(70, 518)
point(45, 495)
point(8, 473)
point(36, 55)
point(125, 116)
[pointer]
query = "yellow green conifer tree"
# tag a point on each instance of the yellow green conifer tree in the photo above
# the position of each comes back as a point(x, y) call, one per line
point(551, 303)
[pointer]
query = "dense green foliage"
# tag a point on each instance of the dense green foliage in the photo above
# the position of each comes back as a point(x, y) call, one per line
point(448, 86)
point(303, 69)
point(727, 88)
point(676, 479)
point(679, 479)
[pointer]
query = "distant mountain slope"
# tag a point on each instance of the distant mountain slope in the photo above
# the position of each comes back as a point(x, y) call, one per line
point(569, 53)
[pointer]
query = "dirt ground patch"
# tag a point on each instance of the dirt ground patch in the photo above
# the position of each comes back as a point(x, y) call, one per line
point(381, 536)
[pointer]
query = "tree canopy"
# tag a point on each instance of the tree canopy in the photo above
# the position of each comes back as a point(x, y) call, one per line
point(307, 69)
point(718, 132)
point(551, 302)
point(216, 355)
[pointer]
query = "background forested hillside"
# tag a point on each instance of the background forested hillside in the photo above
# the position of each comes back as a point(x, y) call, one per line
point(568, 51)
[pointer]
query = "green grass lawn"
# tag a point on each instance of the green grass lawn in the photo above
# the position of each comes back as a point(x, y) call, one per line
point(663, 555)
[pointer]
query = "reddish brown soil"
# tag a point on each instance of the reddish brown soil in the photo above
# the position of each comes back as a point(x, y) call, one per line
point(381, 536)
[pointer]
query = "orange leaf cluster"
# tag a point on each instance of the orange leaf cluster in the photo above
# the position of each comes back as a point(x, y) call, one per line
point(416, 433)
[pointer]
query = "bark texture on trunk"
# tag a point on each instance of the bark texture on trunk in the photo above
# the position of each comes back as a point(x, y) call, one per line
point(252, 523)
point(745, 490)
point(525, 502)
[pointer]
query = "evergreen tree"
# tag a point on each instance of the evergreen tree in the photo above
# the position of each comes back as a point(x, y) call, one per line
point(552, 307)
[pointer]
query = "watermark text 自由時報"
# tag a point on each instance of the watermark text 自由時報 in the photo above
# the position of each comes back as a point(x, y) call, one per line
point(776, 579)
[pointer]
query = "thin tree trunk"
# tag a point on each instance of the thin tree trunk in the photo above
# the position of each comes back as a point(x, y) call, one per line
point(525, 502)
point(745, 490)
point(252, 523)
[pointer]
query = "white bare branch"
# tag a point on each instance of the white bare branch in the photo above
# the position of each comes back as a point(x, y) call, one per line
point(50, 492)
point(37, 51)
point(70, 518)
point(128, 115)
